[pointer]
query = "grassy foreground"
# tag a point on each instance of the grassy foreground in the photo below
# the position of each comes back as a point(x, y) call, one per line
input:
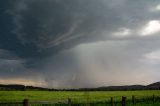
point(9, 96)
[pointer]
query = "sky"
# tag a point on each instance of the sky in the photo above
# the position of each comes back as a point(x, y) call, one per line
point(79, 43)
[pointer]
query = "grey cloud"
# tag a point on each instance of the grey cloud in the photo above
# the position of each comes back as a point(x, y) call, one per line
point(51, 23)
point(5, 54)
point(11, 65)
point(81, 34)
point(99, 64)
point(91, 65)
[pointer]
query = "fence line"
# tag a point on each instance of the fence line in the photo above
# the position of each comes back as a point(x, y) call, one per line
point(26, 102)
point(133, 100)
point(112, 101)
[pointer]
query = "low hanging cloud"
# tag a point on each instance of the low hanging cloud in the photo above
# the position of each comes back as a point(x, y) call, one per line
point(82, 43)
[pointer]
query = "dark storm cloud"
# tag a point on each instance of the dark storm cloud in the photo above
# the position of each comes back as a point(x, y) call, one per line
point(80, 43)
point(4, 54)
point(51, 23)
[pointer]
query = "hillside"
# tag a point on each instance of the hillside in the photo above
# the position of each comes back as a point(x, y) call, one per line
point(154, 86)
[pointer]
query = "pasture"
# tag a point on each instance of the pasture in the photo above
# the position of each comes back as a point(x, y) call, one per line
point(79, 97)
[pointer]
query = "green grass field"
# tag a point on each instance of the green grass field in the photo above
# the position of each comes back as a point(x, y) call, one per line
point(78, 97)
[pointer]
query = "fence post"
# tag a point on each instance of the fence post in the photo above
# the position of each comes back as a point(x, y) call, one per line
point(133, 100)
point(123, 101)
point(153, 98)
point(26, 102)
point(112, 101)
point(69, 102)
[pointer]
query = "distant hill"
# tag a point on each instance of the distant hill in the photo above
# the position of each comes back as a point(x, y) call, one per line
point(12, 87)
point(153, 86)
point(20, 87)
point(130, 87)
